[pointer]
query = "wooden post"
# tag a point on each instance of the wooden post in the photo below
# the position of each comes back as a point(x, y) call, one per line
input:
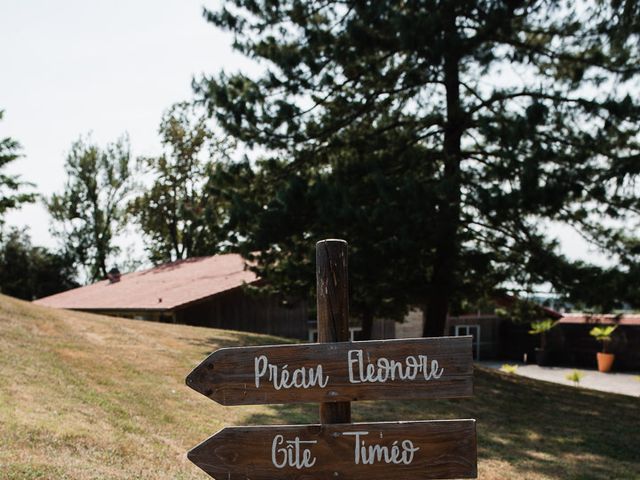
point(333, 311)
point(425, 367)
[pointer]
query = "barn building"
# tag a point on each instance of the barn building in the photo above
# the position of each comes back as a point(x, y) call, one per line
point(205, 291)
point(209, 291)
point(573, 345)
point(497, 337)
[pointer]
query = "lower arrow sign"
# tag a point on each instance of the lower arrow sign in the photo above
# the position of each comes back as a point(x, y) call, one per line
point(441, 449)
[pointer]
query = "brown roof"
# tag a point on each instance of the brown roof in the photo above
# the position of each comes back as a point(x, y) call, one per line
point(161, 288)
point(623, 319)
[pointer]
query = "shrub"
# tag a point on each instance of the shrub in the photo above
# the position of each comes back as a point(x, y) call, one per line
point(575, 377)
point(506, 368)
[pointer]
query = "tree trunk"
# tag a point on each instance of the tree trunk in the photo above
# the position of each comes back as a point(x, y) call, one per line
point(102, 248)
point(444, 276)
point(367, 326)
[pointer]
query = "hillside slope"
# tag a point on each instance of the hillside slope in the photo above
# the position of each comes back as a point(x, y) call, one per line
point(91, 397)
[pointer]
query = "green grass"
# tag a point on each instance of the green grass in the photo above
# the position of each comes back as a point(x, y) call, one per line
point(91, 397)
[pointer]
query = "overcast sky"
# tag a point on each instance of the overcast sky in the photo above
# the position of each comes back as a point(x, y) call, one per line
point(71, 67)
point(77, 66)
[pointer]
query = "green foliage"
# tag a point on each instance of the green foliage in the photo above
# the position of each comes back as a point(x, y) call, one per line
point(440, 139)
point(603, 334)
point(179, 214)
point(89, 212)
point(519, 310)
point(541, 327)
point(510, 369)
point(11, 187)
point(361, 199)
point(30, 272)
point(575, 376)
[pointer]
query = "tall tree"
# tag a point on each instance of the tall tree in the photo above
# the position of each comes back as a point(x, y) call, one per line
point(12, 194)
point(525, 112)
point(89, 212)
point(277, 213)
point(31, 272)
point(179, 216)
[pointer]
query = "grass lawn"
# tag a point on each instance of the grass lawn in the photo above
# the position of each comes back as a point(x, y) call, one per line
point(92, 397)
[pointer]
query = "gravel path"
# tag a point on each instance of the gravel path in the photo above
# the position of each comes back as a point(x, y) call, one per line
point(615, 382)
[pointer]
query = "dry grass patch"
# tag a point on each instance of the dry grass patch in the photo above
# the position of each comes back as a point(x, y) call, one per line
point(92, 397)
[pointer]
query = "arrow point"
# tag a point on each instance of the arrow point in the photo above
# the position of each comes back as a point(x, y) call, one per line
point(191, 455)
point(191, 380)
point(203, 378)
point(196, 452)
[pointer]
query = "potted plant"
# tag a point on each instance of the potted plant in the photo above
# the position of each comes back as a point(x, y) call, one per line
point(541, 328)
point(603, 334)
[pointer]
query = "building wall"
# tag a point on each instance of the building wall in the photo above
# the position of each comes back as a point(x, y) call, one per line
point(485, 326)
point(163, 316)
point(575, 346)
point(411, 326)
point(383, 329)
point(238, 310)
point(568, 344)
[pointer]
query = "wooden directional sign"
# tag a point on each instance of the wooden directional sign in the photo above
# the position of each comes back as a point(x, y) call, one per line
point(375, 451)
point(337, 372)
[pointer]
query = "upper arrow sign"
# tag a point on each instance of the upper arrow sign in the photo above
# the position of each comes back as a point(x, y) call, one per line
point(337, 372)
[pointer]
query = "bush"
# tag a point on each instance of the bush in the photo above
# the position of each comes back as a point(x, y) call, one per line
point(575, 377)
point(511, 369)
point(30, 272)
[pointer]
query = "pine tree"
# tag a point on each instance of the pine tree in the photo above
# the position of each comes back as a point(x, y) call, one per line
point(525, 113)
point(12, 193)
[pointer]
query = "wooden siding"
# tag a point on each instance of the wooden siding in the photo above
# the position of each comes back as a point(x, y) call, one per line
point(239, 310)
point(574, 346)
point(488, 343)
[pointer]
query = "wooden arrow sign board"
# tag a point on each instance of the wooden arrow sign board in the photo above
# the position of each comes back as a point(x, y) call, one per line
point(372, 451)
point(337, 372)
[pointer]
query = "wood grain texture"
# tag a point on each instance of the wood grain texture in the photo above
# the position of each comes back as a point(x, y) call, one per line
point(444, 450)
point(228, 375)
point(332, 286)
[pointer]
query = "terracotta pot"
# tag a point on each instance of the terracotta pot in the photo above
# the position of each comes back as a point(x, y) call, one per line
point(605, 361)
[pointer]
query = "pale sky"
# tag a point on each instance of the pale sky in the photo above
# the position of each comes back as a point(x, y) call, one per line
point(71, 67)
